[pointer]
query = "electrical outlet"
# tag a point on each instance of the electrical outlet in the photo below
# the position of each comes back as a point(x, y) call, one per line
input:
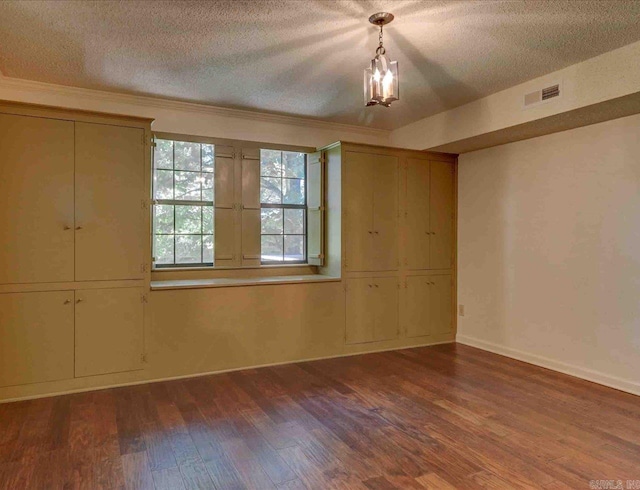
point(461, 310)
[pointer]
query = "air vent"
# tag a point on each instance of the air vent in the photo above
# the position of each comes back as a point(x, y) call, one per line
point(551, 92)
point(541, 96)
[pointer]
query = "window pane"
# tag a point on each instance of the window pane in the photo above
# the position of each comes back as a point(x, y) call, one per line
point(271, 163)
point(293, 247)
point(163, 154)
point(207, 158)
point(187, 156)
point(188, 219)
point(270, 190)
point(188, 186)
point(163, 249)
point(207, 219)
point(188, 249)
point(207, 186)
point(294, 221)
point(207, 249)
point(163, 184)
point(163, 222)
point(293, 164)
point(271, 247)
point(293, 191)
point(271, 221)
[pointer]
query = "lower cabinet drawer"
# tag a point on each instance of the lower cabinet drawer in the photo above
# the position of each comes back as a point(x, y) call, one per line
point(372, 309)
point(109, 330)
point(36, 337)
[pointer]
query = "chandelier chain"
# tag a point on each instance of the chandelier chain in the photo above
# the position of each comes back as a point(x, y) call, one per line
point(380, 49)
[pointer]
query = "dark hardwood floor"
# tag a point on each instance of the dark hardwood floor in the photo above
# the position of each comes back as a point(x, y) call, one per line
point(447, 416)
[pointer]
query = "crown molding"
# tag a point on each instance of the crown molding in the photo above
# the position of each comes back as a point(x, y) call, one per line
point(169, 104)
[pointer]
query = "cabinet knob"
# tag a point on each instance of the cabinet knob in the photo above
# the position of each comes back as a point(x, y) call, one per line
point(376, 232)
point(376, 285)
point(66, 227)
point(79, 300)
point(67, 301)
point(370, 232)
point(78, 227)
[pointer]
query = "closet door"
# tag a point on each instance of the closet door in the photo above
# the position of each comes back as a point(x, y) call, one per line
point(385, 305)
point(417, 214)
point(441, 304)
point(109, 229)
point(358, 210)
point(385, 213)
point(36, 199)
point(417, 310)
point(360, 316)
point(441, 215)
point(36, 337)
point(109, 330)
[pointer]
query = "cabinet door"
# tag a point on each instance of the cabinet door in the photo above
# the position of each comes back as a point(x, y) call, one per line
point(417, 214)
point(385, 213)
point(417, 310)
point(385, 305)
point(36, 199)
point(441, 304)
point(360, 317)
point(110, 234)
point(109, 330)
point(358, 208)
point(441, 215)
point(36, 337)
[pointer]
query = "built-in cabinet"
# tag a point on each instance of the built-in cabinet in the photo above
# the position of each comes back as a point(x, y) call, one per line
point(74, 235)
point(398, 256)
point(427, 305)
point(371, 212)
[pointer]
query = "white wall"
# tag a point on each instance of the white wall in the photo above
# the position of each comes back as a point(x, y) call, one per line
point(549, 251)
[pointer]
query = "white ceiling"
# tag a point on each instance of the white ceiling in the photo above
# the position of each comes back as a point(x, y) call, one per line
point(305, 57)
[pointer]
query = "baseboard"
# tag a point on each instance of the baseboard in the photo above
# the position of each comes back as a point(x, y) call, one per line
point(209, 373)
point(562, 367)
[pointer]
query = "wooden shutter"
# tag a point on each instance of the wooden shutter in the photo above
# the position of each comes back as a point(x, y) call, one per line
point(315, 208)
point(225, 207)
point(250, 206)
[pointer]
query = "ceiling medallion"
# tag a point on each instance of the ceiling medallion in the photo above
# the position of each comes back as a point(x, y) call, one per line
point(381, 78)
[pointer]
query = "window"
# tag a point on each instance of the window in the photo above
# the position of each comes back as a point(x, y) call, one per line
point(229, 204)
point(283, 206)
point(183, 226)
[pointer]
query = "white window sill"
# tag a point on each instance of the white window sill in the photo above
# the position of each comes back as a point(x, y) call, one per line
point(225, 282)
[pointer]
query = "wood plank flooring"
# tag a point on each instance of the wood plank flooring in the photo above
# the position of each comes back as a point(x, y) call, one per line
point(447, 416)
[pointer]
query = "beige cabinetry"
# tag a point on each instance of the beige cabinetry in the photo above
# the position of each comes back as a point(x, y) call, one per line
point(74, 242)
point(398, 220)
point(109, 211)
point(36, 199)
point(36, 337)
point(441, 215)
point(371, 211)
point(429, 214)
point(428, 305)
point(108, 330)
point(371, 309)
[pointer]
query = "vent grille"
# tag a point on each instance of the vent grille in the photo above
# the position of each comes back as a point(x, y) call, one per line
point(550, 92)
point(532, 99)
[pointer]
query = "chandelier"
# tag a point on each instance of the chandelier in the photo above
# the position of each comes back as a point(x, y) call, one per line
point(381, 78)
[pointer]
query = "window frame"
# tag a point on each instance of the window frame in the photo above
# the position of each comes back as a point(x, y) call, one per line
point(238, 146)
point(304, 207)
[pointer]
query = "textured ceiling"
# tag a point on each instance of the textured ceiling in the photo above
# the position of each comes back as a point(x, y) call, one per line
point(305, 57)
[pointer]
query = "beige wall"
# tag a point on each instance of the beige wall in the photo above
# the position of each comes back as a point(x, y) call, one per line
point(606, 77)
point(193, 119)
point(549, 251)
